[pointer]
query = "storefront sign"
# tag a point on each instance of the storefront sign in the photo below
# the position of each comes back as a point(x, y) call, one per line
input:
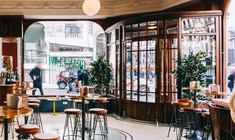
point(66, 62)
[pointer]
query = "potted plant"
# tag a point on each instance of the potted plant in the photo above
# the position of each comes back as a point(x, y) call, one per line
point(100, 75)
point(191, 67)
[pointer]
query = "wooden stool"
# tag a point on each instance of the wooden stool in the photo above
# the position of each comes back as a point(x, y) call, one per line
point(69, 122)
point(79, 103)
point(98, 117)
point(45, 136)
point(176, 116)
point(100, 102)
point(25, 131)
point(12, 122)
point(34, 101)
point(191, 121)
point(207, 123)
point(86, 107)
point(35, 118)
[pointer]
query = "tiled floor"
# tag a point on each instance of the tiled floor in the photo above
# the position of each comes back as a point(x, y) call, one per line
point(120, 129)
point(126, 128)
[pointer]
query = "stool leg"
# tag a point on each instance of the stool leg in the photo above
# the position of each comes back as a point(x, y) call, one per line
point(77, 126)
point(39, 120)
point(65, 125)
point(99, 121)
point(172, 117)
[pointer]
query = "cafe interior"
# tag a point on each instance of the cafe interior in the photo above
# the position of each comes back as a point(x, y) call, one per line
point(166, 71)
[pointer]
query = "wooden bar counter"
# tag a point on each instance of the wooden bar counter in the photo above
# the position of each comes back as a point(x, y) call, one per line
point(4, 89)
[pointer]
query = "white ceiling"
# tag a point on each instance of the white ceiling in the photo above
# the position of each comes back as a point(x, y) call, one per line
point(72, 9)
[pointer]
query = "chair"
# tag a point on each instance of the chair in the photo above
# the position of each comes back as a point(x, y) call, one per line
point(221, 123)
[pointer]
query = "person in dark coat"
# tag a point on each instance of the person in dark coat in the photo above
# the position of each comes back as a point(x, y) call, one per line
point(231, 79)
point(36, 76)
point(85, 77)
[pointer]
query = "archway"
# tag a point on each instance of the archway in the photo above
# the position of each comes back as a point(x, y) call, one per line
point(61, 46)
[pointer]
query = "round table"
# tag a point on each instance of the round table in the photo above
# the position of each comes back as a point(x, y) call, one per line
point(7, 113)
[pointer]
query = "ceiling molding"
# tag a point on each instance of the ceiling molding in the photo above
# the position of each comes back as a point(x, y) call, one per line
point(73, 8)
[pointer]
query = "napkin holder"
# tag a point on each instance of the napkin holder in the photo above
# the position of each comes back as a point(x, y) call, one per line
point(16, 101)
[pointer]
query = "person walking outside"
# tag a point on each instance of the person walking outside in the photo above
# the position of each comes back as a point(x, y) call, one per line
point(85, 77)
point(231, 79)
point(36, 76)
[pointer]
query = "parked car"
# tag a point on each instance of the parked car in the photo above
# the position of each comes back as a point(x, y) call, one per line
point(65, 78)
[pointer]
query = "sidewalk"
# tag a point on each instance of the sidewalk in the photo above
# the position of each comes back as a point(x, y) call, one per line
point(53, 85)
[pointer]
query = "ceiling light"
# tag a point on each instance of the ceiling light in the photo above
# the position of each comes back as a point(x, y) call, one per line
point(91, 7)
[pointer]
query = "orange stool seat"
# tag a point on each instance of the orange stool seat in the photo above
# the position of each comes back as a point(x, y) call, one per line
point(86, 102)
point(34, 101)
point(98, 111)
point(192, 109)
point(33, 105)
point(100, 102)
point(181, 104)
point(46, 136)
point(73, 111)
point(25, 130)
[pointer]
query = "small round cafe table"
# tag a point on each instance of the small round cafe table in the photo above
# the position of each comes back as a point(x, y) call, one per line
point(7, 113)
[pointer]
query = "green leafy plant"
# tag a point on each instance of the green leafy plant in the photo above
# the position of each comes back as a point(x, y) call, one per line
point(100, 75)
point(191, 68)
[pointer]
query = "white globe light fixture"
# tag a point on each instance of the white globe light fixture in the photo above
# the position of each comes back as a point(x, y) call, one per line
point(91, 7)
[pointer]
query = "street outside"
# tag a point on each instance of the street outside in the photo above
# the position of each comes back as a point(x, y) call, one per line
point(50, 89)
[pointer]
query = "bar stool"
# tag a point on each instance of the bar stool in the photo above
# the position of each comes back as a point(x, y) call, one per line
point(86, 106)
point(69, 122)
point(33, 100)
point(26, 131)
point(191, 122)
point(176, 115)
point(12, 123)
point(45, 136)
point(78, 104)
point(35, 118)
point(100, 102)
point(206, 124)
point(98, 117)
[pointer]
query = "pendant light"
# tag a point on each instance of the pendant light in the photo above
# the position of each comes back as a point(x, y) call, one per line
point(91, 7)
